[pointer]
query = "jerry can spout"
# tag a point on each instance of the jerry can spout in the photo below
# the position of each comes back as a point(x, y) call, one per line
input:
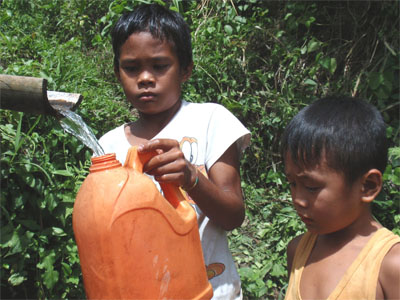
point(30, 95)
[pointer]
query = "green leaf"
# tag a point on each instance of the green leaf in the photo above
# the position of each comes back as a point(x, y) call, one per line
point(394, 152)
point(50, 278)
point(65, 173)
point(228, 29)
point(329, 64)
point(375, 79)
point(278, 270)
point(58, 231)
point(67, 270)
point(246, 272)
point(325, 62)
point(287, 16)
point(48, 261)
point(333, 65)
point(210, 29)
point(16, 279)
point(74, 280)
point(312, 46)
point(310, 82)
point(6, 235)
point(261, 233)
point(309, 22)
point(174, 8)
point(14, 244)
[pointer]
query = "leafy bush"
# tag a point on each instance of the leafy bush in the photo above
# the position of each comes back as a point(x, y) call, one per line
point(263, 60)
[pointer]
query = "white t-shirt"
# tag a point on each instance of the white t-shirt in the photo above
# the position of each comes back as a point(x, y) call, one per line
point(205, 131)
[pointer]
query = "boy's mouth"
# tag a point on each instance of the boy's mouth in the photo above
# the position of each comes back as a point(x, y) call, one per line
point(147, 96)
point(305, 219)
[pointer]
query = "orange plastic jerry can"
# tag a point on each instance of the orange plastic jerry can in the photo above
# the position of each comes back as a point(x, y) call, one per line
point(132, 242)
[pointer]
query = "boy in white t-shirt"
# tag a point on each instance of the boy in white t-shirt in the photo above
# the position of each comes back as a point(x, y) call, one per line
point(198, 144)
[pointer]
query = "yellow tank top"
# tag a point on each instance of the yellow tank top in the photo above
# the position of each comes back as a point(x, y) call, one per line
point(360, 279)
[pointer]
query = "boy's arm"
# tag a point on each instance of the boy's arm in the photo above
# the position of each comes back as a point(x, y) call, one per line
point(219, 197)
point(389, 275)
point(290, 252)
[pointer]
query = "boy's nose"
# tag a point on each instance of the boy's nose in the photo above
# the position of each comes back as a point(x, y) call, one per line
point(299, 200)
point(146, 78)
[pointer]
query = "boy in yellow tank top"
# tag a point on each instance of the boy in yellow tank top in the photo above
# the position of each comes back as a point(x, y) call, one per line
point(335, 151)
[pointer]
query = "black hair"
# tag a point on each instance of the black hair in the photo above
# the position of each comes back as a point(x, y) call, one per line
point(350, 133)
point(161, 23)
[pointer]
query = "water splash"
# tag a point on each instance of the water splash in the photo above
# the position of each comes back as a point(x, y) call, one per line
point(74, 124)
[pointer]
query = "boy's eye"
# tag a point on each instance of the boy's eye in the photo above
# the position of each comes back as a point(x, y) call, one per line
point(160, 67)
point(312, 188)
point(131, 68)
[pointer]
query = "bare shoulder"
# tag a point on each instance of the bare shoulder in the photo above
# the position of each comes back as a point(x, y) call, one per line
point(389, 275)
point(291, 250)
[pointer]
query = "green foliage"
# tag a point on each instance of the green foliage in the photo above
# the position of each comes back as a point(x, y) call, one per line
point(39, 180)
point(263, 60)
point(259, 246)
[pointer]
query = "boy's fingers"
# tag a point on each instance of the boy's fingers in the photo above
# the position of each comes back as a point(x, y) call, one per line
point(165, 162)
point(174, 178)
point(163, 144)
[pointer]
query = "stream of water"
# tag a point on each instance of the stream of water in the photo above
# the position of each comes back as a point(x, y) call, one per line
point(74, 124)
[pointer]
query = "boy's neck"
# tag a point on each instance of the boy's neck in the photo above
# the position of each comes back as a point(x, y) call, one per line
point(361, 228)
point(149, 125)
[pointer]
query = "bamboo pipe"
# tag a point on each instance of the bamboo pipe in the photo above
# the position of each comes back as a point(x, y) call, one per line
point(29, 94)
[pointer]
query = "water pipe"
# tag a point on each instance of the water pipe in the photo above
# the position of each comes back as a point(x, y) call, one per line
point(29, 94)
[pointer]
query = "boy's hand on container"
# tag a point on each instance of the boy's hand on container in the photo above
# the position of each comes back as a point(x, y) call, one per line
point(169, 165)
point(219, 196)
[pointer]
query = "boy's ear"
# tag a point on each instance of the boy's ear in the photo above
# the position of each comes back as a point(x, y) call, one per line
point(187, 72)
point(116, 72)
point(371, 185)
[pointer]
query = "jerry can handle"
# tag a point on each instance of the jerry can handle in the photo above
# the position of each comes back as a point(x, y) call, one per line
point(136, 161)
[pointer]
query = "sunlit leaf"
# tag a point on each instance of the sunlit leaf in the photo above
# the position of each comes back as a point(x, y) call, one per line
point(16, 279)
point(228, 29)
